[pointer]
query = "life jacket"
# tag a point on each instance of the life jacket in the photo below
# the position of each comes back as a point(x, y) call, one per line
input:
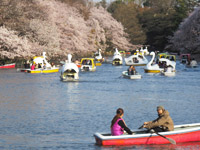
point(116, 128)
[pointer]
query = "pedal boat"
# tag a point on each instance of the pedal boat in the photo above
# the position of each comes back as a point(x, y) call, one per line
point(156, 68)
point(42, 60)
point(136, 60)
point(69, 71)
point(117, 58)
point(88, 64)
point(98, 58)
point(135, 76)
point(142, 51)
point(185, 58)
point(151, 67)
point(192, 64)
point(48, 70)
point(181, 134)
point(170, 70)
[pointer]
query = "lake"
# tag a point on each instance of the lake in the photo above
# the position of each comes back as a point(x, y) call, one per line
point(38, 111)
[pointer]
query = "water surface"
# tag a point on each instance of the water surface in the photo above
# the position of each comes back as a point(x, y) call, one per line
point(38, 111)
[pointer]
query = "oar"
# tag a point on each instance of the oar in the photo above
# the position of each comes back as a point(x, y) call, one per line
point(169, 139)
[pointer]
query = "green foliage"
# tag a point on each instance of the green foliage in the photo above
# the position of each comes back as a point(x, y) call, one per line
point(126, 12)
point(154, 23)
point(162, 19)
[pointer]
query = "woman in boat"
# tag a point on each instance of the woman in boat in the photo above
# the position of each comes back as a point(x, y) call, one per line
point(44, 67)
point(131, 70)
point(33, 67)
point(118, 125)
point(163, 123)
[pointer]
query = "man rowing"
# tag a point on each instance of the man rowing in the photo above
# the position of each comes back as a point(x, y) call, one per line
point(163, 123)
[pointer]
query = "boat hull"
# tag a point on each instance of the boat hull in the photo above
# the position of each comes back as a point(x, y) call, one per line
point(180, 136)
point(136, 76)
point(151, 71)
point(43, 70)
point(168, 74)
point(136, 64)
point(116, 62)
point(98, 64)
point(7, 66)
point(69, 77)
point(88, 68)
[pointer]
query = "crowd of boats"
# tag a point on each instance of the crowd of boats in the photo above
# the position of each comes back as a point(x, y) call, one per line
point(163, 63)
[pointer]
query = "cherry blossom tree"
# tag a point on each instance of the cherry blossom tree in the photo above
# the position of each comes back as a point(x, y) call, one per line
point(63, 28)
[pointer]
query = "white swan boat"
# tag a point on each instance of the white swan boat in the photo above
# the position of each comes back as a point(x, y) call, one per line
point(170, 69)
point(152, 67)
point(45, 66)
point(88, 64)
point(192, 64)
point(98, 58)
point(117, 58)
point(135, 76)
point(136, 60)
point(69, 71)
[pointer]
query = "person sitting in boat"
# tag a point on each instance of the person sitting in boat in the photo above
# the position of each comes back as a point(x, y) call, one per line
point(36, 66)
point(77, 62)
point(44, 66)
point(136, 60)
point(89, 62)
point(193, 62)
point(39, 65)
point(163, 123)
point(33, 67)
point(52, 65)
point(131, 70)
point(118, 125)
point(168, 68)
point(141, 56)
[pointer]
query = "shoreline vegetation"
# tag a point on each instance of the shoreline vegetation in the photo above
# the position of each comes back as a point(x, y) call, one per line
point(81, 27)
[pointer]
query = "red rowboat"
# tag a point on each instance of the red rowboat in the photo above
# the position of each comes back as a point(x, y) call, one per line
point(8, 66)
point(181, 134)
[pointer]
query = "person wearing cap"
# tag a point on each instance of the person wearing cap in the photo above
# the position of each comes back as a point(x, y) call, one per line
point(163, 123)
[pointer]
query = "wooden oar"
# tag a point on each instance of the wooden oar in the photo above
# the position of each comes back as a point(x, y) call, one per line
point(169, 139)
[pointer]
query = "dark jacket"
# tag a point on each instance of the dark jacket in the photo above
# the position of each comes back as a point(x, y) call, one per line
point(164, 121)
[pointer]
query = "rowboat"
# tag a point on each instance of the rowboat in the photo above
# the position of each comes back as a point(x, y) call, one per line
point(134, 76)
point(181, 134)
point(7, 66)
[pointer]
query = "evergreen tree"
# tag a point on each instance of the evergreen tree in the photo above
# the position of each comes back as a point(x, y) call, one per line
point(126, 12)
point(162, 19)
